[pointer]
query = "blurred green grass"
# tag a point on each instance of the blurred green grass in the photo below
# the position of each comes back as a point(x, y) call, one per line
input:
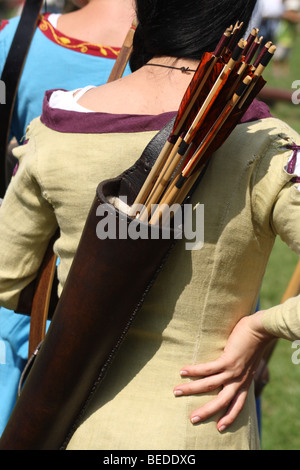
point(280, 398)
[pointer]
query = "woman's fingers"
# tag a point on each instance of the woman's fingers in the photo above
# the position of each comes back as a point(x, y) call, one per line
point(229, 399)
point(218, 404)
point(232, 373)
point(201, 385)
point(208, 368)
point(210, 376)
point(233, 411)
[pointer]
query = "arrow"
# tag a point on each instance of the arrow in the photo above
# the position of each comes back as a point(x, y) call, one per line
point(185, 112)
point(183, 143)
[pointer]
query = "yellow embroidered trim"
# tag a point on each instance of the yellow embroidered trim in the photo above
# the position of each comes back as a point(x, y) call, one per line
point(83, 47)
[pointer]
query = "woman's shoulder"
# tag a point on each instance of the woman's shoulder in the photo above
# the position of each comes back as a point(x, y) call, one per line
point(269, 129)
point(62, 113)
point(270, 149)
point(260, 147)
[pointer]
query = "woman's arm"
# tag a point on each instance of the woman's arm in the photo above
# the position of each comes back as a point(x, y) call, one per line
point(233, 372)
point(27, 222)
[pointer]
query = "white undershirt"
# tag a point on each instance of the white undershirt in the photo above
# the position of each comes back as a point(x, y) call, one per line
point(66, 100)
point(53, 18)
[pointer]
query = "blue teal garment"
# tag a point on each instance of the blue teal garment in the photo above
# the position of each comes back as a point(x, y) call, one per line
point(14, 330)
point(49, 65)
point(14, 351)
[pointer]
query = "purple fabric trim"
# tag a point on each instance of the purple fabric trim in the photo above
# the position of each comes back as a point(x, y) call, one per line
point(100, 123)
point(17, 164)
point(292, 163)
point(15, 169)
point(257, 110)
point(92, 123)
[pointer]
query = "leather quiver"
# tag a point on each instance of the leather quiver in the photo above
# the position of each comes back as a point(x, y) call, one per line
point(107, 283)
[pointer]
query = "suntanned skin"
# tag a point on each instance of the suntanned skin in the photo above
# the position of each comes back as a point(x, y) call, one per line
point(103, 22)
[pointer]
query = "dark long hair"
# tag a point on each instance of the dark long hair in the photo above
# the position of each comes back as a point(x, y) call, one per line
point(184, 28)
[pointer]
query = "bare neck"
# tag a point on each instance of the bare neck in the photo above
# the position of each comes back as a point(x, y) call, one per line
point(100, 21)
point(149, 90)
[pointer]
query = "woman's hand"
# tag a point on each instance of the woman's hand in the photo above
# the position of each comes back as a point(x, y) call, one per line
point(233, 372)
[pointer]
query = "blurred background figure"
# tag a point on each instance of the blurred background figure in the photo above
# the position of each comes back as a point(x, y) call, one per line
point(257, 16)
point(9, 8)
point(271, 14)
point(55, 6)
point(285, 37)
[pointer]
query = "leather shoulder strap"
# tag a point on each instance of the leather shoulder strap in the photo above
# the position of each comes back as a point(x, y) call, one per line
point(12, 72)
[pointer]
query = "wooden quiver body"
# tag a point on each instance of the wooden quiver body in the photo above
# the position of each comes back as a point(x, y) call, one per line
point(107, 283)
